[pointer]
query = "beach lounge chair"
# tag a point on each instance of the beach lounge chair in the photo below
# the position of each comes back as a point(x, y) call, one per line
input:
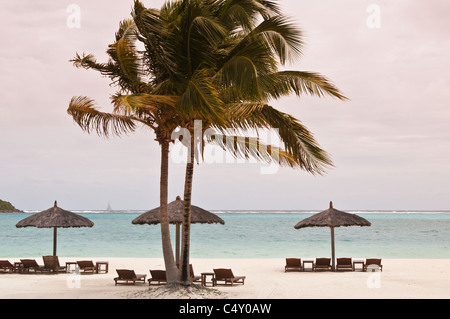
point(322, 263)
point(31, 265)
point(293, 264)
point(226, 275)
point(128, 275)
point(87, 266)
point(374, 263)
point(194, 278)
point(344, 264)
point(157, 276)
point(51, 263)
point(6, 266)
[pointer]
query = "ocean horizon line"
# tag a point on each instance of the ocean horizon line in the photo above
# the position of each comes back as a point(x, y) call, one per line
point(255, 211)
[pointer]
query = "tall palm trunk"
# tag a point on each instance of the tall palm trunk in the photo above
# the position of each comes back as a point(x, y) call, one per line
point(169, 261)
point(184, 275)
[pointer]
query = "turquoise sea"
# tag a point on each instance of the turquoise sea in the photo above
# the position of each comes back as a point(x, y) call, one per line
point(257, 234)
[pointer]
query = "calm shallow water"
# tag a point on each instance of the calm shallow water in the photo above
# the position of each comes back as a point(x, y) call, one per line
point(244, 235)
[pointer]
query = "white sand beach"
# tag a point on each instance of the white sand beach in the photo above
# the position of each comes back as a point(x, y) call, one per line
point(265, 279)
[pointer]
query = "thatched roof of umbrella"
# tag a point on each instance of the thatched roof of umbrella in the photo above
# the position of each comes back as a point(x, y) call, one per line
point(55, 217)
point(175, 211)
point(332, 218)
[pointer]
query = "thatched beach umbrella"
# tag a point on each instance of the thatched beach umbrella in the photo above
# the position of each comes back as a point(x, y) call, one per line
point(55, 217)
point(332, 218)
point(175, 209)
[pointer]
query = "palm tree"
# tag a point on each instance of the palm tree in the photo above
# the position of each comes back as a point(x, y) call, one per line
point(205, 60)
point(156, 112)
point(151, 91)
point(237, 61)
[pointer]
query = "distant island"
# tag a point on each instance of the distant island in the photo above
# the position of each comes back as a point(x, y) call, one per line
point(7, 207)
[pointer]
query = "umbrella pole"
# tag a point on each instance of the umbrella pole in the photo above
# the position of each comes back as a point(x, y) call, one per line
point(54, 241)
point(332, 249)
point(177, 244)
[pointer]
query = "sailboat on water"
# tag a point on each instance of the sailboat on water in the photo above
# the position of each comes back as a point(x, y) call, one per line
point(108, 208)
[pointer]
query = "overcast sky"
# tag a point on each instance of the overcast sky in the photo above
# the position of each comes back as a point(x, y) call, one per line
point(390, 143)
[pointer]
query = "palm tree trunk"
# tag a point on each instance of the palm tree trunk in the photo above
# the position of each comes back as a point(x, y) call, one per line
point(184, 275)
point(169, 261)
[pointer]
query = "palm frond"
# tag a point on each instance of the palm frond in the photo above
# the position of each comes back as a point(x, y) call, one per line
point(206, 28)
point(144, 106)
point(196, 33)
point(239, 12)
point(85, 113)
point(125, 60)
point(88, 61)
point(270, 7)
point(298, 141)
point(202, 38)
point(154, 34)
point(242, 110)
point(283, 37)
point(302, 82)
point(240, 75)
point(235, 15)
point(127, 30)
point(200, 98)
point(253, 58)
point(246, 147)
point(278, 34)
point(124, 66)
